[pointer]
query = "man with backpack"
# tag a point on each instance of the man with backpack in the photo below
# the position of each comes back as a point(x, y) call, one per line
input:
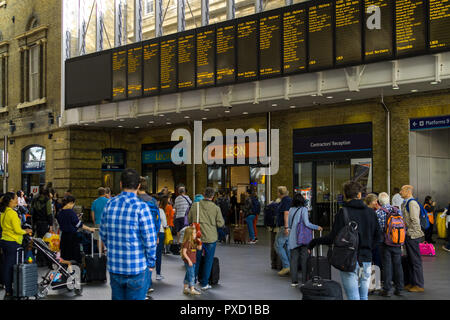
point(181, 206)
point(41, 213)
point(412, 212)
point(355, 232)
point(394, 230)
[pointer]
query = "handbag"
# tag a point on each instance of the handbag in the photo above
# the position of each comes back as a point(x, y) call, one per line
point(427, 249)
point(168, 238)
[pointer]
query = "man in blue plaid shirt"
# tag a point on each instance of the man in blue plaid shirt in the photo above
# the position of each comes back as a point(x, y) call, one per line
point(129, 234)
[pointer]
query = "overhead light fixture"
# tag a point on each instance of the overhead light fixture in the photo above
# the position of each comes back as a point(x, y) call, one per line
point(207, 110)
point(348, 99)
point(434, 82)
point(161, 115)
point(151, 121)
point(121, 120)
point(169, 123)
point(204, 118)
point(292, 107)
point(395, 87)
point(314, 95)
point(414, 90)
point(136, 127)
point(274, 105)
point(86, 124)
point(187, 117)
point(227, 111)
point(330, 97)
point(120, 126)
point(245, 112)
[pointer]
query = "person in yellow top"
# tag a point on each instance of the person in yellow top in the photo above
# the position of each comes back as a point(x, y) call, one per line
point(11, 240)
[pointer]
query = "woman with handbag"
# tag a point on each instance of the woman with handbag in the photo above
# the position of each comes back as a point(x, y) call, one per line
point(300, 234)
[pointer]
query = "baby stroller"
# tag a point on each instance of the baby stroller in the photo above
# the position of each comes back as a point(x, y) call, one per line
point(62, 275)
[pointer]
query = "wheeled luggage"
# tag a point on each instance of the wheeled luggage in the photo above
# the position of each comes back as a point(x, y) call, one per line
point(215, 271)
point(25, 278)
point(94, 265)
point(318, 266)
point(321, 289)
point(239, 231)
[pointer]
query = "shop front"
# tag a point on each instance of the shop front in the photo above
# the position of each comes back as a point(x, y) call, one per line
point(327, 157)
point(236, 177)
point(158, 168)
point(113, 163)
point(33, 169)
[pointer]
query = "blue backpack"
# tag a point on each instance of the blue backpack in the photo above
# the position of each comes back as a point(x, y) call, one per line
point(424, 221)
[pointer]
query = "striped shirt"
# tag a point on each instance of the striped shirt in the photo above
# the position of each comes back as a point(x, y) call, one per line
point(128, 231)
point(181, 205)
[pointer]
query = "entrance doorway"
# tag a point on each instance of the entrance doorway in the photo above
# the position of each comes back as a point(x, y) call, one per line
point(321, 183)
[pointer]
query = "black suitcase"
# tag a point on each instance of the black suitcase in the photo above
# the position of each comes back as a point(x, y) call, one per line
point(324, 268)
point(25, 278)
point(215, 271)
point(321, 289)
point(94, 265)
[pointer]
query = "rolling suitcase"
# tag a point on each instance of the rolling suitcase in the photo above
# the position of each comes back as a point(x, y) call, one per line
point(239, 231)
point(318, 266)
point(321, 289)
point(94, 265)
point(25, 278)
point(215, 271)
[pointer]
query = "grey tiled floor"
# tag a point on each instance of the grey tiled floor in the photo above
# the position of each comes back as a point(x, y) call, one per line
point(246, 274)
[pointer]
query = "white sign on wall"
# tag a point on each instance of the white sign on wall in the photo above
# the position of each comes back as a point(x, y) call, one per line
point(34, 190)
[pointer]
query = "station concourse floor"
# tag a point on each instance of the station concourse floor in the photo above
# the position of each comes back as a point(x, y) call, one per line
point(245, 274)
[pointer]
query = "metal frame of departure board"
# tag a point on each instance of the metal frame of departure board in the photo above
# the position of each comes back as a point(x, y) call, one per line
point(282, 11)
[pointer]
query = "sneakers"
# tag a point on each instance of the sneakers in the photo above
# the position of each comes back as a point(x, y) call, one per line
point(294, 285)
point(385, 293)
point(284, 272)
point(408, 286)
point(150, 290)
point(398, 293)
point(445, 248)
point(159, 277)
point(256, 239)
point(206, 287)
point(194, 292)
point(416, 289)
point(186, 291)
point(252, 242)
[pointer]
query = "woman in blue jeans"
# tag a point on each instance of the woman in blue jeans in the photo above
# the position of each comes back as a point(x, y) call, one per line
point(161, 236)
point(249, 216)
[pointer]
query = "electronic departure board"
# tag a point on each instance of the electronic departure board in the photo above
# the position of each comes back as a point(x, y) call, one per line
point(320, 34)
point(294, 40)
point(247, 45)
point(439, 25)
point(348, 32)
point(151, 67)
point(303, 37)
point(168, 65)
point(206, 75)
point(379, 29)
point(88, 81)
point(119, 74)
point(410, 20)
point(270, 45)
point(226, 54)
point(186, 61)
point(134, 72)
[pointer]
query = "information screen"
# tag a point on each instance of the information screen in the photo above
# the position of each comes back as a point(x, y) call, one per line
point(135, 72)
point(88, 79)
point(247, 45)
point(348, 32)
point(119, 74)
point(226, 54)
point(206, 75)
point(294, 44)
point(270, 45)
point(168, 65)
point(439, 24)
point(378, 30)
point(186, 61)
point(410, 16)
point(151, 68)
point(320, 36)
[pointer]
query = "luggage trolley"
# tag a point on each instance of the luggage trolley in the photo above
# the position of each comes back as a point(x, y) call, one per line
point(62, 275)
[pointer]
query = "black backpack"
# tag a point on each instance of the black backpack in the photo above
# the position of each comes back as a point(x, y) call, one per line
point(39, 210)
point(270, 215)
point(344, 253)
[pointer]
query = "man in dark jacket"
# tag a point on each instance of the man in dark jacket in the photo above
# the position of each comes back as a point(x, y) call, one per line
point(356, 283)
point(41, 213)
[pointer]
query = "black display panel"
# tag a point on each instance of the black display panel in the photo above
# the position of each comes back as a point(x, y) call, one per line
point(270, 44)
point(348, 32)
point(186, 61)
point(119, 73)
point(226, 54)
point(151, 68)
point(410, 26)
point(320, 33)
point(294, 40)
point(206, 58)
point(168, 65)
point(439, 25)
point(88, 80)
point(247, 45)
point(379, 30)
point(134, 72)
